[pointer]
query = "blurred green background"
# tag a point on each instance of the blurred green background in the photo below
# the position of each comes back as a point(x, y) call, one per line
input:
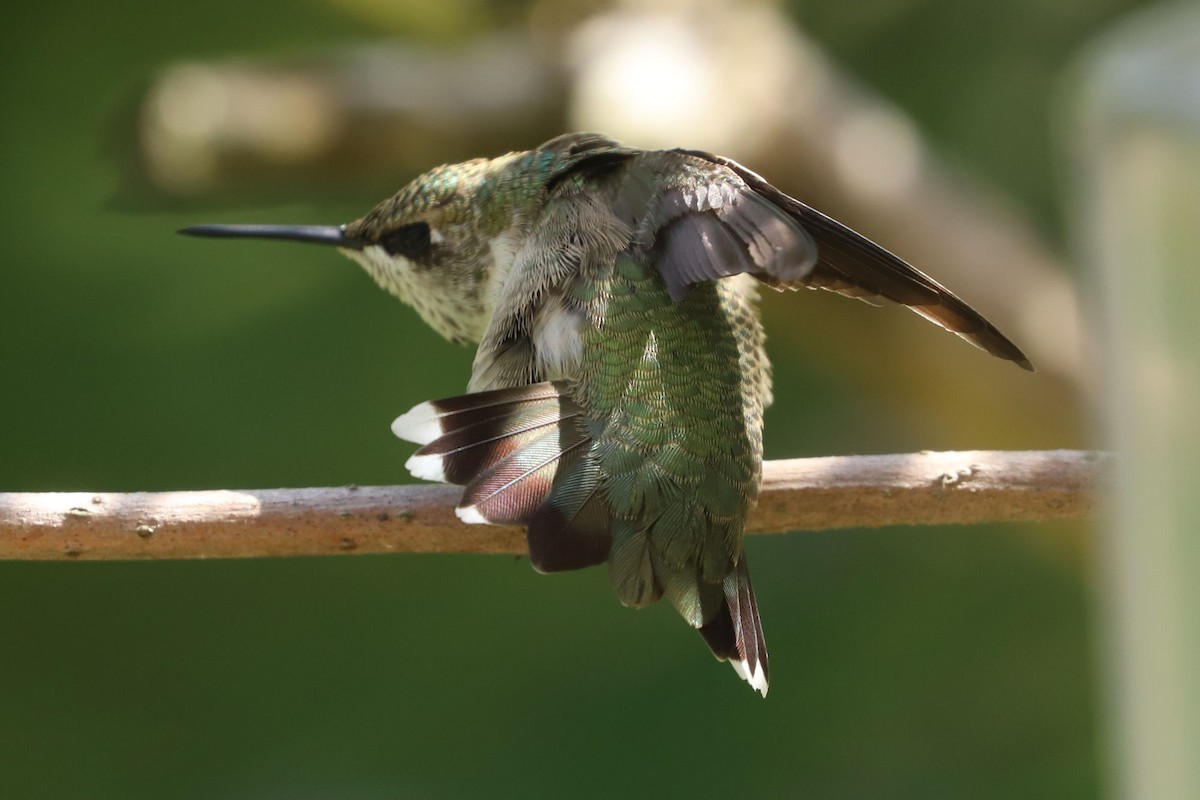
point(930, 662)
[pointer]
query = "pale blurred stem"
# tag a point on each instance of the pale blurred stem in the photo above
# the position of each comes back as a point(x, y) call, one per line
point(800, 494)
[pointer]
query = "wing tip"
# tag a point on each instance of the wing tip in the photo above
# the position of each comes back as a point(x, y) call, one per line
point(1000, 346)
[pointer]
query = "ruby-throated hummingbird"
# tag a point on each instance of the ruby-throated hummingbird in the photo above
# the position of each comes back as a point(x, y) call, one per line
point(615, 403)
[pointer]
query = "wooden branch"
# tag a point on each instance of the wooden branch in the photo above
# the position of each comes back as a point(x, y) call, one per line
point(799, 494)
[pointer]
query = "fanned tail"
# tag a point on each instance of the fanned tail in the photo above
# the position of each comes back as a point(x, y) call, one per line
point(524, 456)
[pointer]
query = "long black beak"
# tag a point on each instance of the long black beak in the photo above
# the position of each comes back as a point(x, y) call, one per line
point(317, 234)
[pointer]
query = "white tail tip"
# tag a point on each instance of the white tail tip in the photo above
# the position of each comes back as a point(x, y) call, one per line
point(420, 424)
point(427, 468)
point(757, 679)
point(470, 515)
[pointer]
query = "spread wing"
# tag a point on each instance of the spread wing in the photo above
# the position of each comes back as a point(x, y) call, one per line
point(724, 219)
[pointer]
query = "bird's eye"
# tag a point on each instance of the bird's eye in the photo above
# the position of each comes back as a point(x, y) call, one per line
point(411, 241)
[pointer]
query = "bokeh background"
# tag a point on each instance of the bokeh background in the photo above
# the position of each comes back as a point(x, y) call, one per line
point(907, 662)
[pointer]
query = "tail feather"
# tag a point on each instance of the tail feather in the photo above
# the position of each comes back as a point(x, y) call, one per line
point(572, 529)
point(735, 634)
point(514, 487)
point(465, 454)
point(425, 422)
point(523, 455)
point(526, 457)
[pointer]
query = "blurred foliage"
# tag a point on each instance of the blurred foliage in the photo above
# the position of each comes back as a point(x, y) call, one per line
point(907, 663)
point(980, 77)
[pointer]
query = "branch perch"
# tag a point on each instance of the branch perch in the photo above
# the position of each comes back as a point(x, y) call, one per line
point(798, 494)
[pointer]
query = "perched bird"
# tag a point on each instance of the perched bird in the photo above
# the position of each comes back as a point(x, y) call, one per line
point(616, 399)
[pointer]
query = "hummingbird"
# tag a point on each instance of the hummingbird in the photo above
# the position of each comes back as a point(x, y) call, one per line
point(616, 397)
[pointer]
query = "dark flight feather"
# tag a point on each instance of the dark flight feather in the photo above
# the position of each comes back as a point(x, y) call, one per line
point(853, 265)
point(719, 229)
